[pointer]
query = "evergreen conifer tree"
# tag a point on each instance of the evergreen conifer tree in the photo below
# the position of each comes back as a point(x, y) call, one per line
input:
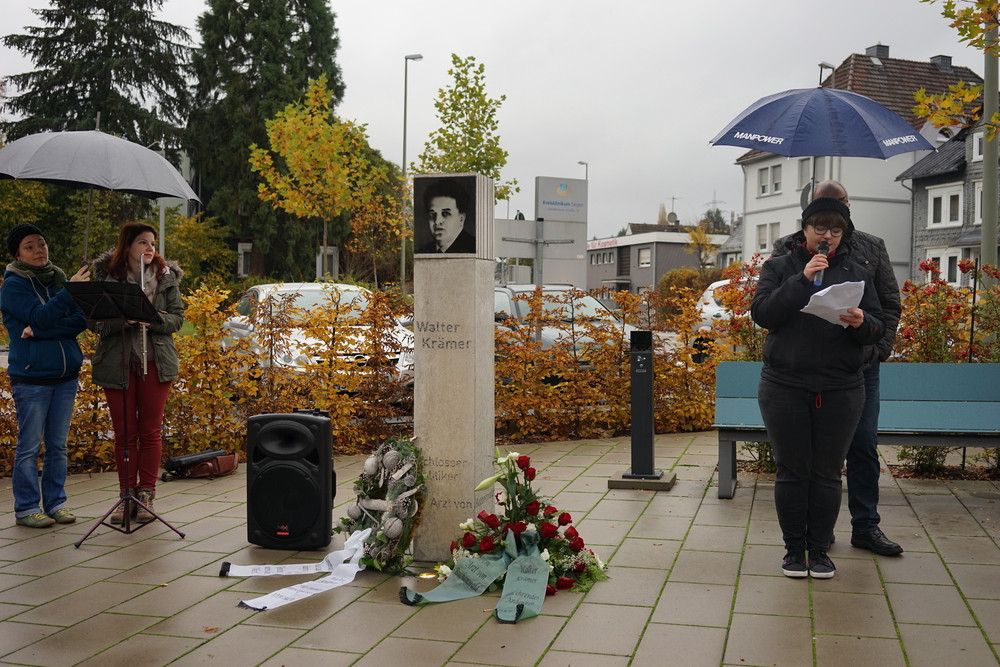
point(256, 56)
point(107, 57)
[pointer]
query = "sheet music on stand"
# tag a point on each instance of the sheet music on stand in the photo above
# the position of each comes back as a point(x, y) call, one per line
point(104, 301)
point(112, 300)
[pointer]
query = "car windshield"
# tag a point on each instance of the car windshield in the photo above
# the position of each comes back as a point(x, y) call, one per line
point(313, 298)
point(307, 299)
point(584, 307)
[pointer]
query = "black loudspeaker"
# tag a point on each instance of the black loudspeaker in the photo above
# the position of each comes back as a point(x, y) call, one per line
point(290, 480)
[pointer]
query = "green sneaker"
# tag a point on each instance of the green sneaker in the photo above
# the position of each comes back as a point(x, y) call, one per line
point(63, 515)
point(36, 520)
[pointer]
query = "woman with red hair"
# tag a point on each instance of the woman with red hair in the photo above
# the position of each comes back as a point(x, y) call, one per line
point(137, 374)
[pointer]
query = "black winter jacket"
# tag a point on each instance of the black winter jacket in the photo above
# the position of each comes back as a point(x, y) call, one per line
point(803, 350)
point(869, 251)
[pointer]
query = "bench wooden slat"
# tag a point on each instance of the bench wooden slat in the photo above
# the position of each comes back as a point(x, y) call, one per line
point(936, 382)
point(921, 404)
point(939, 416)
point(894, 416)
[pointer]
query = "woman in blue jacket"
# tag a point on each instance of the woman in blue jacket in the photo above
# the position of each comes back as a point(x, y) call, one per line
point(44, 360)
point(812, 388)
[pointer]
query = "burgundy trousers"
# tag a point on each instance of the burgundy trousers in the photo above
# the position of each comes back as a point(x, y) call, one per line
point(146, 398)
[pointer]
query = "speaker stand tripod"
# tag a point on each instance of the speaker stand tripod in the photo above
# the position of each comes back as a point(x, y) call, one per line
point(104, 301)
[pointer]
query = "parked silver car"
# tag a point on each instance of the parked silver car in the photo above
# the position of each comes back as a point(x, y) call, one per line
point(307, 296)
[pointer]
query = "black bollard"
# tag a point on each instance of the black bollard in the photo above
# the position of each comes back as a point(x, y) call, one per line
point(641, 353)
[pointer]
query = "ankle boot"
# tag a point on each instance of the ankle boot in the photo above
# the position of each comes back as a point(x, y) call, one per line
point(118, 516)
point(145, 496)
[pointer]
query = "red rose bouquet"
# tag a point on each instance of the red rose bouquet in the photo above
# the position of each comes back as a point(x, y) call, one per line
point(572, 566)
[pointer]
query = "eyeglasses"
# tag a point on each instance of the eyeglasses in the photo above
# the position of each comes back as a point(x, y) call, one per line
point(834, 231)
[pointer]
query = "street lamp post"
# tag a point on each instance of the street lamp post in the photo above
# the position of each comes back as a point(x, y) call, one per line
point(402, 244)
point(586, 170)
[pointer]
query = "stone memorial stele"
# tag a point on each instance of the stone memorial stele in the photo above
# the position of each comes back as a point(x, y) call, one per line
point(453, 412)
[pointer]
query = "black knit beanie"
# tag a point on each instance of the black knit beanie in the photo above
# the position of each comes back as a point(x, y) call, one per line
point(827, 204)
point(17, 234)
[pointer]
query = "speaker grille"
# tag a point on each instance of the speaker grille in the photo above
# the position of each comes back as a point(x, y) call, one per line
point(286, 440)
point(284, 502)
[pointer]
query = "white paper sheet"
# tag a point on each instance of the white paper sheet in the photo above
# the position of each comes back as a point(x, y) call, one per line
point(833, 301)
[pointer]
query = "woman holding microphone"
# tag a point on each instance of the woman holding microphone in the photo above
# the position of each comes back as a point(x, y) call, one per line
point(150, 358)
point(812, 389)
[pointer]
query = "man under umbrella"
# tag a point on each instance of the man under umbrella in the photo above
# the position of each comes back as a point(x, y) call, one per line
point(862, 457)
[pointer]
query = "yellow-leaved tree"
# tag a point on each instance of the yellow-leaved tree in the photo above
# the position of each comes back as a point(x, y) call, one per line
point(962, 104)
point(319, 166)
point(199, 245)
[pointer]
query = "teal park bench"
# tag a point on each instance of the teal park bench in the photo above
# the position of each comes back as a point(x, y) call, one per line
point(944, 405)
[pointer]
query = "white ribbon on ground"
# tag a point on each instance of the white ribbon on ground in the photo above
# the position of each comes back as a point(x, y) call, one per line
point(343, 566)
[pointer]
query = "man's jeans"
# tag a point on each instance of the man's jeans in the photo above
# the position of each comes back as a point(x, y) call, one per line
point(42, 411)
point(863, 462)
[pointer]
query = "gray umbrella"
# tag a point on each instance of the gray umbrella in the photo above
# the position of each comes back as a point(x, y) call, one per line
point(93, 159)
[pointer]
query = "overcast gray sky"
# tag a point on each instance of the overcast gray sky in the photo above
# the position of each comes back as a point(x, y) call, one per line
point(636, 88)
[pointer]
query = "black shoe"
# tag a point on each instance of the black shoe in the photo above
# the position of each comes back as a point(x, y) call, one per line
point(877, 542)
point(820, 566)
point(794, 565)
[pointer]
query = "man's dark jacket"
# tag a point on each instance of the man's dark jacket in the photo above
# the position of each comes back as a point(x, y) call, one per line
point(463, 243)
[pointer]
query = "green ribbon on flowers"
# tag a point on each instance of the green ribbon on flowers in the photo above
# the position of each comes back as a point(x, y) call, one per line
point(469, 578)
point(524, 586)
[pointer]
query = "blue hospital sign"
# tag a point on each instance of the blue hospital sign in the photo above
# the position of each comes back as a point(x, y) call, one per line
point(563, 199)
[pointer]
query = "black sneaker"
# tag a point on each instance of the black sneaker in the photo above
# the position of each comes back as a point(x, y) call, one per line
point(820, 566)
point(794, 565)
point(877, 542)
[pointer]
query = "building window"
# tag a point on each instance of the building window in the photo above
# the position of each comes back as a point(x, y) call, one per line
point(624, 267)
point(808, 167)
point(243, 251)
point(769, 180)
point(593, 259)
point(331, 267)
point(645, 257)
point(944, 206)
point(977, 147)
point(766, 236)
point(947, 260)
point(611, 258)
point(978, 188)
point(805, 172)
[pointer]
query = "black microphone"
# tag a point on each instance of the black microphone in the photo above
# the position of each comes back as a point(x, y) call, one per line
point(824, 248)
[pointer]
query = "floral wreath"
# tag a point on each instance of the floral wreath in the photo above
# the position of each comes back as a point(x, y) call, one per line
point(390, 497)
point(572, 566)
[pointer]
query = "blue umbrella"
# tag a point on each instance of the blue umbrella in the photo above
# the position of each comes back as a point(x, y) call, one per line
point(821, 122)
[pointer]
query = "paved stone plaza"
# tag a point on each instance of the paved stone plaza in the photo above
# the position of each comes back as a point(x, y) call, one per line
point(694, 581)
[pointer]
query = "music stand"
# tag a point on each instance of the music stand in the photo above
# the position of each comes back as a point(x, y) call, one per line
point(104, 301)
